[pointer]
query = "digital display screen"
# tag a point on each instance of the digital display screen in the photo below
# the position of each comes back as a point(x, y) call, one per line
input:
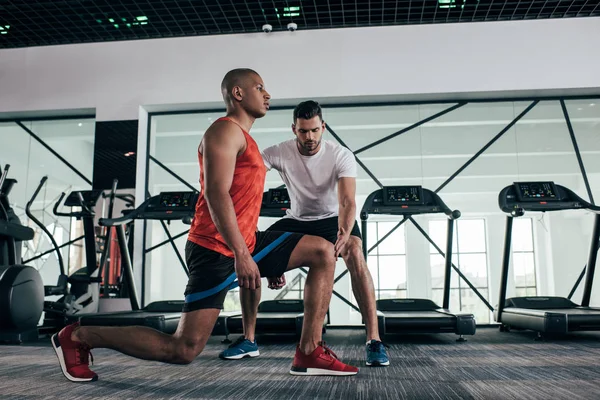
point(176, 200)
point(536, 191)
point(278, 197)
point(402, 195)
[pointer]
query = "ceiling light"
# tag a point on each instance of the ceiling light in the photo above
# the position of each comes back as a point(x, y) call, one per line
point(130, 153)
point(142, 18)
point(80, 124)
point(579, 109)
point(592, 104)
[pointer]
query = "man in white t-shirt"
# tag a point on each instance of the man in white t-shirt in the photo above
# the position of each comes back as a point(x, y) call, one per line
point(320, 176)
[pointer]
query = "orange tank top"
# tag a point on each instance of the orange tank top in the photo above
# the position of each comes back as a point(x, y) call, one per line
point(246, 193)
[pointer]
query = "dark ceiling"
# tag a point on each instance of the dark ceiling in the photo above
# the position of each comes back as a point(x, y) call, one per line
point(38, 23)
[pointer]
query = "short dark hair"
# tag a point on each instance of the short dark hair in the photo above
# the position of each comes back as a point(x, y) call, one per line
point(235, 77)
point(307, 110)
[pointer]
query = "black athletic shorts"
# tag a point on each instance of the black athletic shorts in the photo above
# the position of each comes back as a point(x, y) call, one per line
point(326, 228)
point(209, 269)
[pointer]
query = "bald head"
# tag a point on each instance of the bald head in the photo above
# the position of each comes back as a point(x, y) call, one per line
point(236, 77)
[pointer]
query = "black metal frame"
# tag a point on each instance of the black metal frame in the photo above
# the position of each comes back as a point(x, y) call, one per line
point(457, 104)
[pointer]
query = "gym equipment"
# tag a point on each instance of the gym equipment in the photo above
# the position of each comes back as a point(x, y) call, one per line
point(275, 203)
point(80, 291)
point(545, 314)
point(21, 286)
point(416, 315)
point(161, 315)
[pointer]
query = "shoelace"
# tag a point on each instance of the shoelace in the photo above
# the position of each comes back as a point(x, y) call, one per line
point(239, 340)
point(376, 346)
point(83, 352)
point(328, 351)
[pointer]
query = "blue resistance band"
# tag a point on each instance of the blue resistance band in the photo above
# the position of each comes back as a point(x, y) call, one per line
point(231, 281)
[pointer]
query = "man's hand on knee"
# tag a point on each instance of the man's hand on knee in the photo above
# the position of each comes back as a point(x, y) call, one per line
point(276, 283)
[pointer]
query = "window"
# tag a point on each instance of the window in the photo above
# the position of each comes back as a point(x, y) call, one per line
point(523, 257)
point(387, 262)
point(469, 254)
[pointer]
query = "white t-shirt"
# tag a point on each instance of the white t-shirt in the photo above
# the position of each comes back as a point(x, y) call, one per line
point(311, 180)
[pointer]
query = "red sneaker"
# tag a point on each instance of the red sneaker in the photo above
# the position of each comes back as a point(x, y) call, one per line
point(322, 361)
point(73, 356)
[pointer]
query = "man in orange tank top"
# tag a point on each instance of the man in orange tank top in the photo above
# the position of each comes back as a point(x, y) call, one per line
point(223, 244)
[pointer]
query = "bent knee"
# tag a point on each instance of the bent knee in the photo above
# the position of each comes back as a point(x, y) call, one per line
point(354, 257)
point(186, 351)
point(322, 252)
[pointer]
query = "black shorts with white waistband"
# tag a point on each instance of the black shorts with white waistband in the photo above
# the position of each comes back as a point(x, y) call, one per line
point(327, 228)
point(209, 269)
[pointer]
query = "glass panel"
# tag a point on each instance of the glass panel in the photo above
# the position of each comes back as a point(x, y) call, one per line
point(393, 244)
point(520, 292)
point(372, 262)
point(30, 161)
point(474, 267)
point(531, 291)
point(392, 294)
point(372, 237)
point(392, 272)
point(522, 234)
point(585, 117)
point(524, 269)
point(438, 230)
point(471, 303)
point(438, 265)
point(471, 236)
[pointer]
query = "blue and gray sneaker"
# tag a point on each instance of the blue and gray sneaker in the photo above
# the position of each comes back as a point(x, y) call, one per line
point(376, 353)
point(239, 349)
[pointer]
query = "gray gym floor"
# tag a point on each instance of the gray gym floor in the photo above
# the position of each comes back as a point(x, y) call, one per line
point(490, 365)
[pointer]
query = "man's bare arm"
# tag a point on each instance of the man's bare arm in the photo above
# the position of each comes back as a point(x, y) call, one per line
point(220, 148)
point(347, 206)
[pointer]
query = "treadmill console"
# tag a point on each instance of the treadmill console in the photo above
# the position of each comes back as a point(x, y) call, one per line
point(180, 201)
point(536, 191)
point(402, 195)
point(275, 203)
point(539, 196)
point(169, 206)
point(405, 200)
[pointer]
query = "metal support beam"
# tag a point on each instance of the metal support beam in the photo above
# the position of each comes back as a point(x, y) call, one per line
point(363, 166)
point(448, 263)
point(180, 179)
point(463, 277)
point(172, 241)
point(487, 146)
point(505, 267)
point(51, 150)
point(413, 126)
point(581, 275)
point(70, 242)
point(577, 153)
point(156, 246)
point(591, 264)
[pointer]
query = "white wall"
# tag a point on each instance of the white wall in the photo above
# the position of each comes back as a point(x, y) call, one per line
point(417, 61)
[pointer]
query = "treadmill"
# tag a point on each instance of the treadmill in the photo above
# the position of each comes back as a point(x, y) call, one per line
point(279, 316)
point(545, 314)
point(160, 315)
point(415, 315)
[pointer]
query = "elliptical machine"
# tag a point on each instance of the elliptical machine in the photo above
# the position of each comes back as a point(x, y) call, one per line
point(79, 291)
point(21, 286)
